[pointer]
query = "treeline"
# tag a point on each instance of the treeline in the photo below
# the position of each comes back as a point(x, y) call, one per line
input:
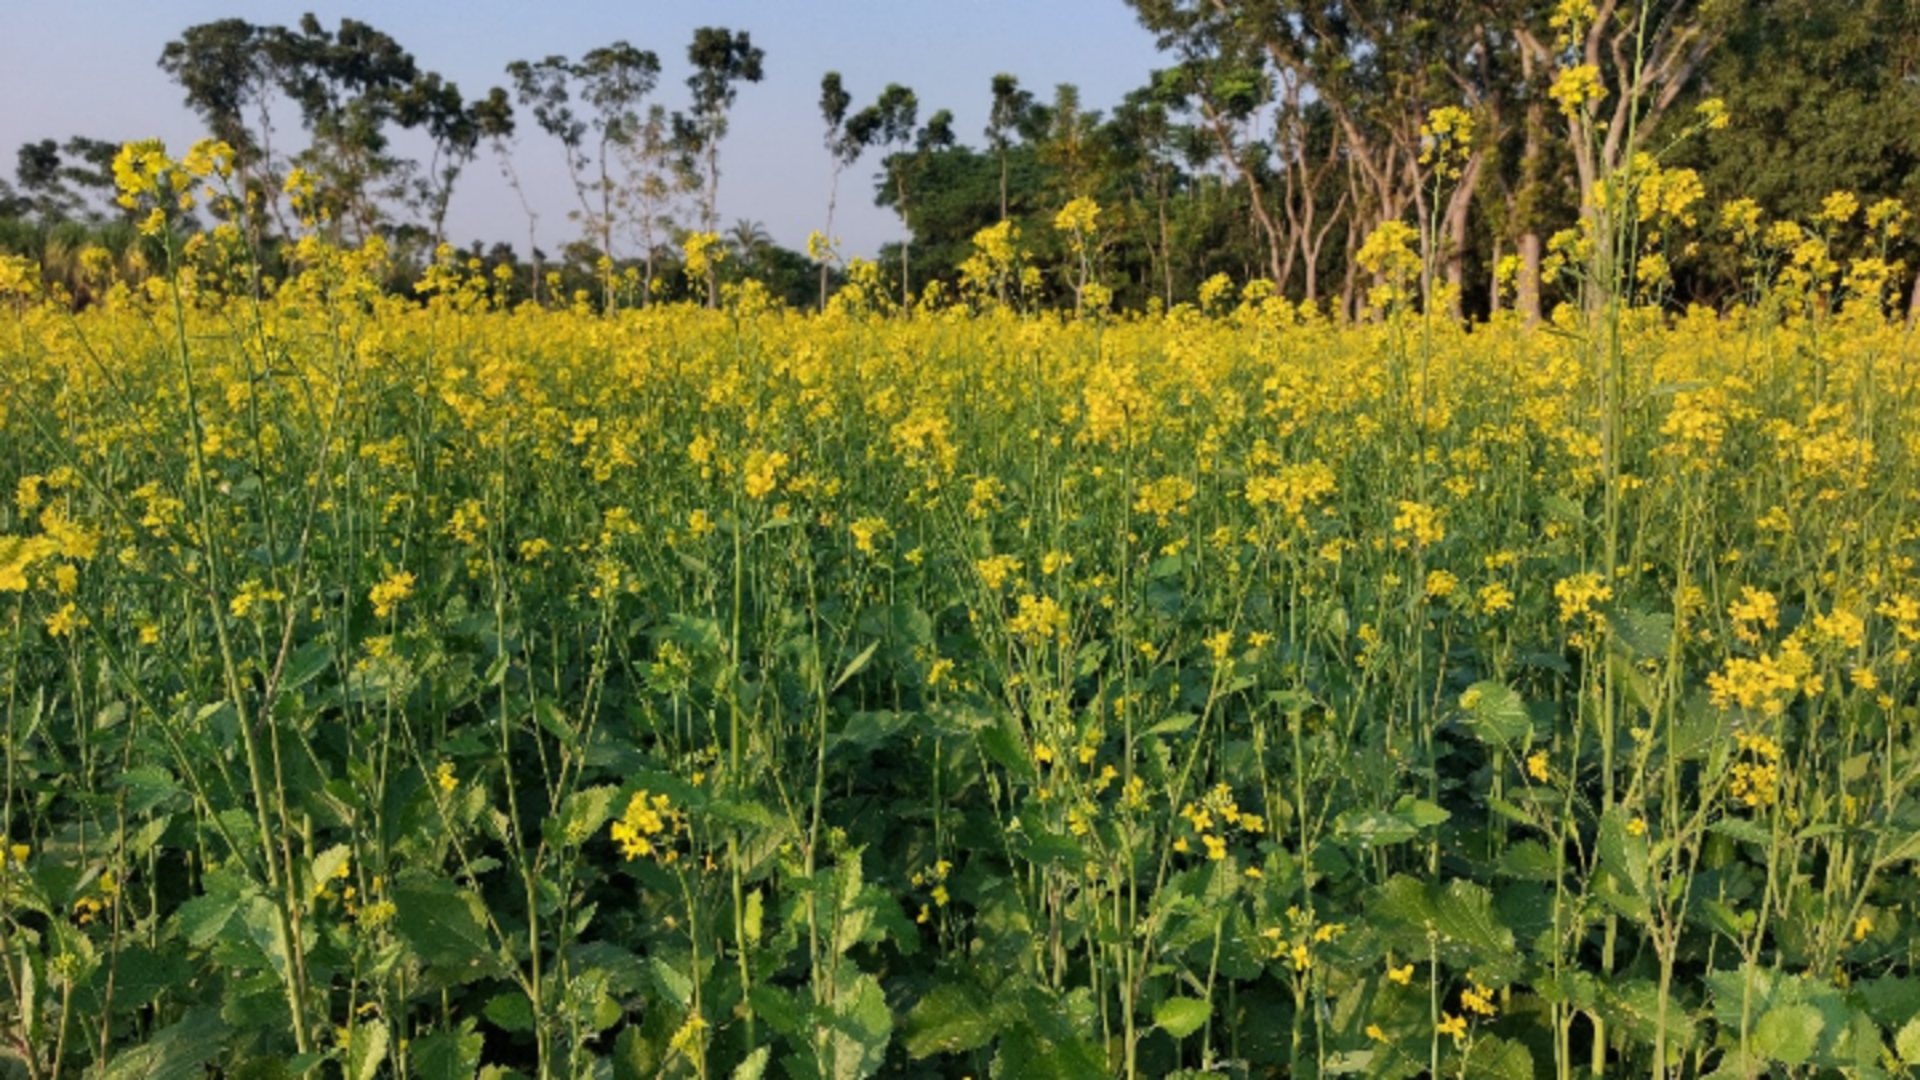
point(1280, 135)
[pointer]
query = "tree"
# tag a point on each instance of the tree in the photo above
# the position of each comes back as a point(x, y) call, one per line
point(847, 138)
point(455, 129)
point(657, 177)
point(1012, 113)
point(348, 84)
point(721, 60)
point(229, 74)
point(1221, 76)
point(892, 119)
point(66, 181)
point(611, 81)
point(1620, 73)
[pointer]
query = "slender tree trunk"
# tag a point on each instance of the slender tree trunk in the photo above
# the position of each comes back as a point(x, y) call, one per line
point(1003, 183)
point(833, 198)
point(906, 244)
point(1529, 292)
point(1458, 215)
point(1493, 280)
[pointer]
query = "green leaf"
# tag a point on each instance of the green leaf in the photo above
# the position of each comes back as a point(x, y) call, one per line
point(1498, 716)
point(1421, 813)
point(179, 1052)
point(1493, 1058)
point(1373, 828)
point(1002, 743)
point(854, 666)
point(1174, 725)
point(1405, 901)
point(1182, 1016)
point(510, 1012)
point(306, 664)
point(1741, 829)
point(328, 863)
point(1623, 854)
point(584, 812)
point(1464, 913)
point(1907, 1043)
point(147, 786)
point(755, 916)
point(1633, 1007)
point(1789, 1033)
point(1647, 636)
point(862, 1026)
point(367, 1050)
point(438, 920)
point(754, 1065)
point(201, 919)
point(1528, 860)
point(676, 984)
point(447, 1055)
point(951, 1019)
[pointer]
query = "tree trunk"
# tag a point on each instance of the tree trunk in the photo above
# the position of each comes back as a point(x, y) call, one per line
point(1528, 298)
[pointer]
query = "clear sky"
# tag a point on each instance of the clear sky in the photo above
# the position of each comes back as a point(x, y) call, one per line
point(87, 67)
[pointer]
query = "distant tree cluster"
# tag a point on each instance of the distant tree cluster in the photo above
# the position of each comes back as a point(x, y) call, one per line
point(1280, 135)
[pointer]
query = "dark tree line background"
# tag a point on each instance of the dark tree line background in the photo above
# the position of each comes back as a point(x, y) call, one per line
point(1279, 134)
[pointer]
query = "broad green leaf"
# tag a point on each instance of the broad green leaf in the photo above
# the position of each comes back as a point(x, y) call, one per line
point(584, 812)
point(1633, 1007)
point(1374, 828)
point(201, 919)
point(367, 1050)
point(1494, 1058)
point(1421, 813)
point(447, 1055)
point(678, 987)
point(1646, 635)
point(1498, 715)
point(754, 917)
point(1743, 830)
point(1624, 854)
point(510, 1011)
point(754, 1065)
point(951, 1019)
point(1174, 725)
point(329, 863)
point(1907, 1043)
point(1528, 860)
point(1463, 912)
point(1026, 1054)
point(178, 1052)
point(1182, 1016)
point(1789, 1033)
point(306, 664)
point(862, 1025)
point(438, 920)
point(1002, 743)
point(1405, 901)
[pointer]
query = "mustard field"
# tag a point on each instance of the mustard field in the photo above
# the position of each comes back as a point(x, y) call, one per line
point(413, 685)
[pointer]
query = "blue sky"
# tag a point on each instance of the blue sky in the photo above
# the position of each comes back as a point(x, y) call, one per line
point(89, 68)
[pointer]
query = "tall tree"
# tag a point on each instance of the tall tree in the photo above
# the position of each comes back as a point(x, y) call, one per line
point(1621, 71)
point(847, 138)
point(347, 84)
point(892, 119)
point(721, 59)
point(1010, 114)
point(658, 176)
point(608, 84)
point(229, 75)
point(454, 127)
